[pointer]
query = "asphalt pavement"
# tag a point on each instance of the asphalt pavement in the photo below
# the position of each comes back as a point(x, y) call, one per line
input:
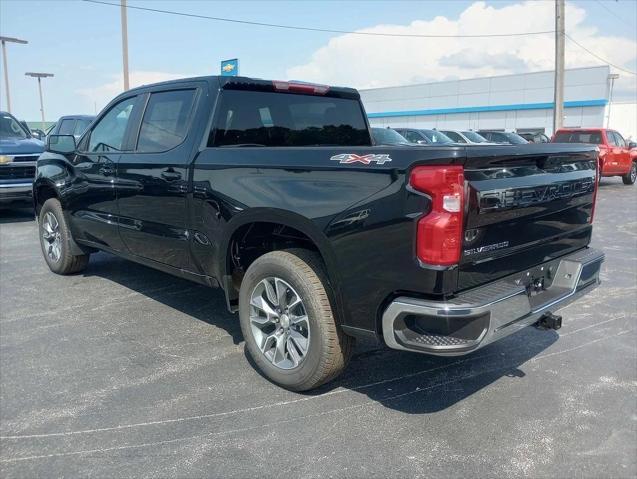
point(123, 371)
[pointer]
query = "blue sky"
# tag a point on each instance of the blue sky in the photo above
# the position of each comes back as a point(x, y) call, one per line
point(81, 44)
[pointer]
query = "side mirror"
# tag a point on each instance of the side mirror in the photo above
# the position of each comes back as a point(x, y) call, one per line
point(632, 145)
point(62, 144)
point(36, 134)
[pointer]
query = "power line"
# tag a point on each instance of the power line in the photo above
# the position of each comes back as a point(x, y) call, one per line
point(623, 20)
point(323, 30)
point(597, 56)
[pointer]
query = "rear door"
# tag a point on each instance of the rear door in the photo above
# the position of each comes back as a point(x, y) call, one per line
point(623, 153)
point(612, 159)
point(525, 205)
point(153, 179)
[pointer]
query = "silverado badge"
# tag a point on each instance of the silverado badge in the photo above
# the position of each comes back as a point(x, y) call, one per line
point(348, 158)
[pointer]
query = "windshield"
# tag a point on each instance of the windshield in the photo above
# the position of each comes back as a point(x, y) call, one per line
point(474, 137)
point(11, 128)
point(516, 139)
point(594, 137)
point(387, 136)
point(436, 136)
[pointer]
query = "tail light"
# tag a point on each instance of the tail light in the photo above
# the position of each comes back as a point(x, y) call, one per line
point(300, 87)
point(439, 233)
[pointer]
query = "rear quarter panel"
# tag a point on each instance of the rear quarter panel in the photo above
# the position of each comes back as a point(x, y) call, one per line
point(362, 217)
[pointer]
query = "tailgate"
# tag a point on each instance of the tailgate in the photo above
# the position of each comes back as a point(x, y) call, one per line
point(525, 205)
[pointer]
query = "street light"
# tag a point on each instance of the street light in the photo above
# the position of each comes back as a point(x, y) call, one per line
point(4, 41)
point(39, 76)
point(612, 77)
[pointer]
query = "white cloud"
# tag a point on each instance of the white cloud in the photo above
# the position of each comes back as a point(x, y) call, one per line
point(104, 93)
point(368, 61)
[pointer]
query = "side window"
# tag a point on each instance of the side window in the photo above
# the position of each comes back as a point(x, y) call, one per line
point(108, 134)
point(66, 127)
point(611, 138)
point(165, 121)
point(619, 140)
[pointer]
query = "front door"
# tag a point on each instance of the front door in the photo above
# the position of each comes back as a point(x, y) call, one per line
point(153, 179)
point(94, 207)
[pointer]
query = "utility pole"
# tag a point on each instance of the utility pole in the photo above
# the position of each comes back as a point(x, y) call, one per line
point(4, 41)
point(612, 77)
point(39, 76)
point(124, 43)
point(558, 106)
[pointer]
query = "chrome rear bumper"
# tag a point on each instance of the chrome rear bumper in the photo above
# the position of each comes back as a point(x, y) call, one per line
point(488, 313)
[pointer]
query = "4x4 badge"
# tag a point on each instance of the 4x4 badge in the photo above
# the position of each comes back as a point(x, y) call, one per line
point(348, 158)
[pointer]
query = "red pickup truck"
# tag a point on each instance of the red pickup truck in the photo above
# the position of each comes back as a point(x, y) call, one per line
point(617, 157)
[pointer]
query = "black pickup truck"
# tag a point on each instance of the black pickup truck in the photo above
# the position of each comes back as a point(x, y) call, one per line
point(275, 192)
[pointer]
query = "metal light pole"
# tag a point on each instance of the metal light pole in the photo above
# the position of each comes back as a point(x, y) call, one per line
point(558, 103)
point(4, 41)
point(612, 77)
point(39, 76)
point(125, 43)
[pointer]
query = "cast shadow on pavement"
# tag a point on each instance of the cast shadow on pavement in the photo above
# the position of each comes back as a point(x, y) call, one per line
point(420, 384)
point(198, 301)
point(407, 382)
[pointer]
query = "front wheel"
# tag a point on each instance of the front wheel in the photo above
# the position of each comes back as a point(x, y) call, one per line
point(55, 240)
point(288, 322)
point(630, 177)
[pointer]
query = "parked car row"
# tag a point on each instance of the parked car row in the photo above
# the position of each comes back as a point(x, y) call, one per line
point(617, 157)
point(421, 136)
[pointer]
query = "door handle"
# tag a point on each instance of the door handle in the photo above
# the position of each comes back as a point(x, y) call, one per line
point(170, 174)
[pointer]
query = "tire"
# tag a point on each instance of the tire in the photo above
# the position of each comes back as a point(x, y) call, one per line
point(630, 177)
point(299, 274)
point(55, 240)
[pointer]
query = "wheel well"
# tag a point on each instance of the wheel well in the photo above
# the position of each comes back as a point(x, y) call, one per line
point(252, 240)
point(43, 193)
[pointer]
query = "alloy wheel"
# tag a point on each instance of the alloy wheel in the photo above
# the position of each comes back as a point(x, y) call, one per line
point(279, 323)
point(51, 236)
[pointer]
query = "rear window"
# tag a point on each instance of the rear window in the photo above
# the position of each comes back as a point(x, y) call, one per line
point(253, 118)
point(436, 136)
point(473, 136)
point(80, 126)
point(454, 136)
point(66, 127)
point(594, 137)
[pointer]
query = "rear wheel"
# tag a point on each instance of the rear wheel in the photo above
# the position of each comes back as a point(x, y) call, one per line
point(288, 323)
point(630, 177)
point(55, 240)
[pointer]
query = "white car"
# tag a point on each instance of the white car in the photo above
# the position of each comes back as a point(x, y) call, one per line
point(467, 136)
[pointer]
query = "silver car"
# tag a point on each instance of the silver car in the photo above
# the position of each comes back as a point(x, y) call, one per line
point(467, 136)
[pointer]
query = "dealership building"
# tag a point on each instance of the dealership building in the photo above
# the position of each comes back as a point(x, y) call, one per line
point(521, 102)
